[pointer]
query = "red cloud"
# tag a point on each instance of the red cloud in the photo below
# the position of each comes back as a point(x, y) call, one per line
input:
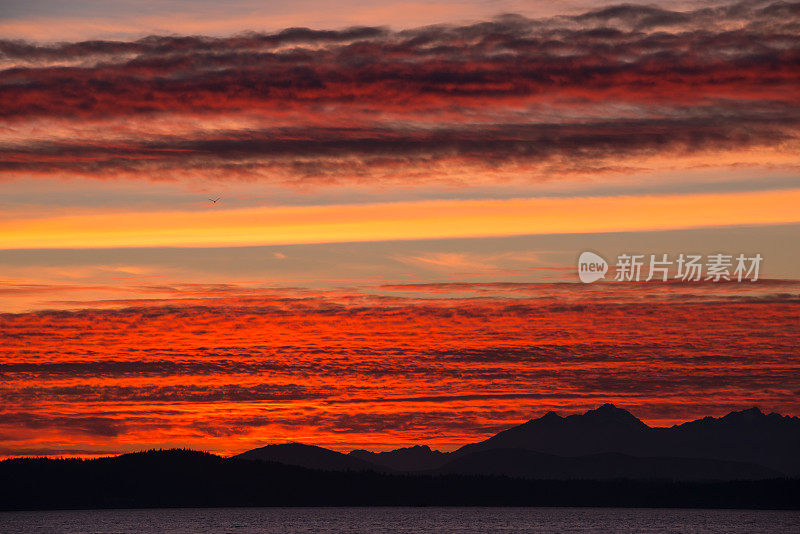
point(338, 370)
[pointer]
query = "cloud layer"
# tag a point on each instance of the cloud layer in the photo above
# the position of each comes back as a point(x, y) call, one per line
point(613, 90)
point(350, 369)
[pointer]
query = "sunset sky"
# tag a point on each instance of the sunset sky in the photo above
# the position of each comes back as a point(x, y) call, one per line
point(405, 188)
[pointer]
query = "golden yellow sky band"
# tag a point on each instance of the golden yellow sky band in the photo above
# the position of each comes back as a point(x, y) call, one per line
point(403, 220)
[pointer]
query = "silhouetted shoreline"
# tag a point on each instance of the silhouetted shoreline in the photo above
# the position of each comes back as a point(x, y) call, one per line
point(185, 478)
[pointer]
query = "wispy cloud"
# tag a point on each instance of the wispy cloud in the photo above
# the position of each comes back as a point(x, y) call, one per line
point(614, 90)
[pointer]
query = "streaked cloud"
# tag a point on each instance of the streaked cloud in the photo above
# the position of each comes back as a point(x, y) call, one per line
point(399, 221)
point(371, 368)
point(618, 90)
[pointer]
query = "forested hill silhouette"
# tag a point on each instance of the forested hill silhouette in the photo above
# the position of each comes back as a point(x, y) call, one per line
point(186, 478)
point(748, 436)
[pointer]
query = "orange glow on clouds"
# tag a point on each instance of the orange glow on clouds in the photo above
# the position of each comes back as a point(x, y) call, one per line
point(402, 220)
point(360, 370)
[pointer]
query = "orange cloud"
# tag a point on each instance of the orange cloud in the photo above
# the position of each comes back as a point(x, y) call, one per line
point(229, 374)
point(402, 220)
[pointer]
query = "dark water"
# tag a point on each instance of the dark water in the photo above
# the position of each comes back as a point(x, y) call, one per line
point(411, 520)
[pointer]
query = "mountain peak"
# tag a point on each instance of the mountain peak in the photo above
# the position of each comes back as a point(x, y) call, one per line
point(420, 448)
point(403, 459)
point(551, 416)
point(748, 414)
point(606, 408)
point(755, 410)
point(608, 413)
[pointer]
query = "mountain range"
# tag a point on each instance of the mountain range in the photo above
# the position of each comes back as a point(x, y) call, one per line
point(605, 443)
point(604, 457)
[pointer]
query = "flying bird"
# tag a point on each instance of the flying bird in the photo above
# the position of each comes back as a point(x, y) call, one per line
point(214, 200)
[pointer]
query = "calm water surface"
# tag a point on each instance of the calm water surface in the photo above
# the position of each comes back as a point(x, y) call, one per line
point(411, 520)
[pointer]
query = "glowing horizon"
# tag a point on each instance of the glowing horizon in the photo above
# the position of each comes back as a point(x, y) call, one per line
point(402, 221)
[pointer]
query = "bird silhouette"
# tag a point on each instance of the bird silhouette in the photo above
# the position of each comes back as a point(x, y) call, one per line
point(214, 200)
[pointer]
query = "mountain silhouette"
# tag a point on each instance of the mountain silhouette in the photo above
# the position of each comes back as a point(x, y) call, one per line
point(416, 458)
point(772, 440)
point(603, 457)
point(745, 436)
point(604, 442)
point(309, 456)
point(605, 429)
